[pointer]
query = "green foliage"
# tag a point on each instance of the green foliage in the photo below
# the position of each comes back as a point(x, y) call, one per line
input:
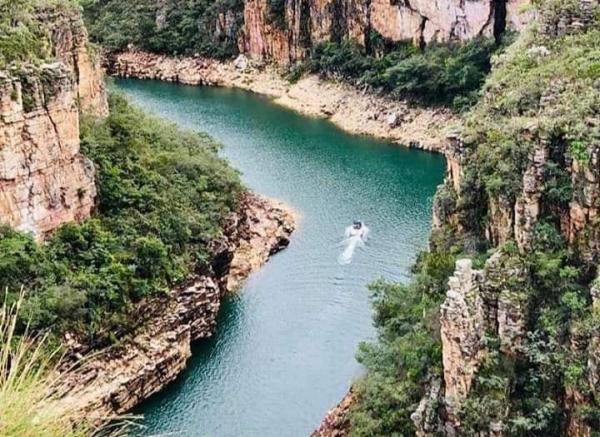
point(579, 151)
point(408, 350)
point(24, 39)
point(162, 195)
point(541, 90)
point(448, 74)
point(490, 393)
point(172, 27)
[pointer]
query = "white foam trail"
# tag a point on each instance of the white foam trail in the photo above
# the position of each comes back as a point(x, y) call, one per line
point(352, 242)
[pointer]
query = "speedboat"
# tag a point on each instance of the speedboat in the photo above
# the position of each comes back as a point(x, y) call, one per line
point(358, 229)
point(356, 236)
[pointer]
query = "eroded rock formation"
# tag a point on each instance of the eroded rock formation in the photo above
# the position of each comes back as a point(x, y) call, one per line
point(117, 379)
point(71, 47)
point(307, 22)
point(337, 422)
point(44, 179)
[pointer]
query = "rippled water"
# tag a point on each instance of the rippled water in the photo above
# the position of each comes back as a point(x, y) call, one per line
point(284, 351)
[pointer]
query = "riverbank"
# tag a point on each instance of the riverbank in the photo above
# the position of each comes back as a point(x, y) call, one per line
point(117, 379)
point(348, 108)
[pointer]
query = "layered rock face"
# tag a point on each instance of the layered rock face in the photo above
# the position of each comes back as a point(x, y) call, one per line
point(71, 47)
point(44, 180)
point(557, 188)
point(308, 22)
point(336, 423)
point(479, 303)
point(117, 379)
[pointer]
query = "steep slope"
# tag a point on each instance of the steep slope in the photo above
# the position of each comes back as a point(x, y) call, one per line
point(510, 345)
point(44, 180)
point(285, 30)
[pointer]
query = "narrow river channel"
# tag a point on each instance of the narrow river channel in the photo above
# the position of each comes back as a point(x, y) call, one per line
point(284, 351)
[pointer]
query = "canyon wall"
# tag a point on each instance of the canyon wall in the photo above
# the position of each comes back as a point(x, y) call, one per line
point(501, 302)
point(521, 200)
point(71, 47)
point(308, 22)
point(44, 180)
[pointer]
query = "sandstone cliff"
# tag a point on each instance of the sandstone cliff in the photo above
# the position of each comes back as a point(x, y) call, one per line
point(71, 47)
point(519, 334)
point(44, 180)
point(117, 379)
point(499, 311)
point(308, 22)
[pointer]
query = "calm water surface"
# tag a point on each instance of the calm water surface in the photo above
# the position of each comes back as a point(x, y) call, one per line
point(284, 351)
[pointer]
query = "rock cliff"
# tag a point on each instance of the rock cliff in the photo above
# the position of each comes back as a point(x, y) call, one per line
point(44, 180)
point(499, 311)
point(117, 379)
point(519, 334)
point(71, 47)
point(308, 22)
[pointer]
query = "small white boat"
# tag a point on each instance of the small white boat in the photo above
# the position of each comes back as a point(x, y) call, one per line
point(358, 229)
point(356, 236)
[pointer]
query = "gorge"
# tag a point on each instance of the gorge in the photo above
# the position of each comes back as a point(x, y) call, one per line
point(131, 231)
point(295, 326)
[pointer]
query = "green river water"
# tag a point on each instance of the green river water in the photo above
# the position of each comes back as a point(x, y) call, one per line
point(284, 351)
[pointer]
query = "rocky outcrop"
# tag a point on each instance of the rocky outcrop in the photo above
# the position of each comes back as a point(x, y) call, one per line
point(479, 305)
point(115, 380)
point(350, 109)
point(337, 422)
point(259, 230)
point(462, 330)
point(44, 180)
point(71, 47)
point(308, 22)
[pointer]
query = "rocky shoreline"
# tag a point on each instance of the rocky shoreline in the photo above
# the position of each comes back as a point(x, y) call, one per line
point(350, 109)
point(113, 381)
point(337, 422)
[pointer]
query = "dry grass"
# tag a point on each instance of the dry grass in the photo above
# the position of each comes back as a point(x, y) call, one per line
point(30, 385)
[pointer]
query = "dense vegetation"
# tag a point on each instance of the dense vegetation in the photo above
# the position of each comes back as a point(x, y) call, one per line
point(22, 38)
point(162, 195)
point(206, 27)
point(408, 351)
point(444, 74)
point(29, 386)
point(542, 95)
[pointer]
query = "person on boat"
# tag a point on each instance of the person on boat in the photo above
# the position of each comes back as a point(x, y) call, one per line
point(356, 230)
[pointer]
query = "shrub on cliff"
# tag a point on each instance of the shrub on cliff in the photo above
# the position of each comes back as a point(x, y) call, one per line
point(163, 193)
point(408, 350)
point(23, 39)
point(447, 74)
point(207, 27)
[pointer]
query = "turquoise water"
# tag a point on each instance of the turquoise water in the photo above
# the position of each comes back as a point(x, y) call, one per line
point(284, 351)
